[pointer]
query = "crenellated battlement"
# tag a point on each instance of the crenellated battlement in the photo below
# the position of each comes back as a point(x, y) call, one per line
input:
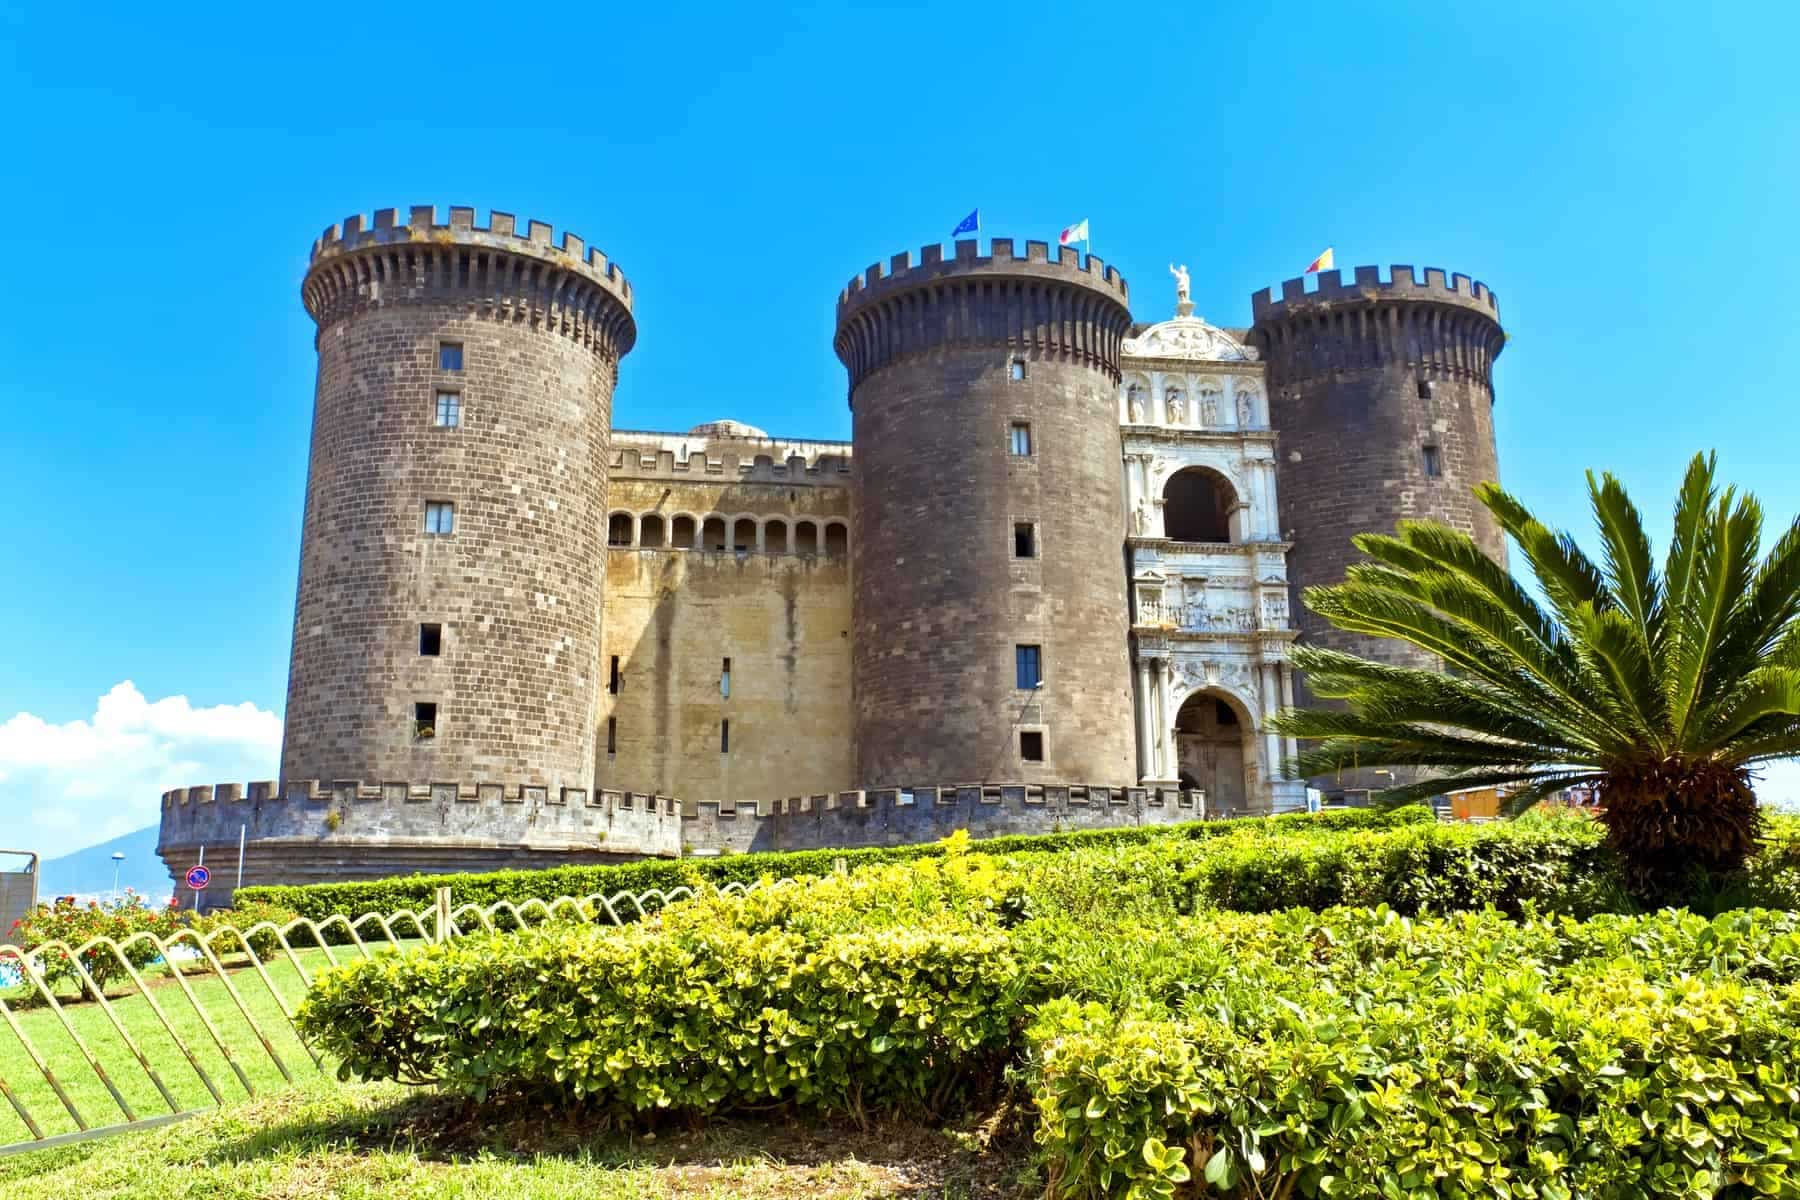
point(1058, 307)
point(632, 462)
point(1403, 283)
point(901, 273)
point(298, 830)
point(530, 275)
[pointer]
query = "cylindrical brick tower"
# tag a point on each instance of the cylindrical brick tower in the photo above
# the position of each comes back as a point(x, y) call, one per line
point(1383, 397)
point(988, 601)
point(448, 619)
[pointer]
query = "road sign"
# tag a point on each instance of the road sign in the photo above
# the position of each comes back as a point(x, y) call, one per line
point(198, 878)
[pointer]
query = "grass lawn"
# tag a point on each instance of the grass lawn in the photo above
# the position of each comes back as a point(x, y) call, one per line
point(356, 1141)
point(90, 1095)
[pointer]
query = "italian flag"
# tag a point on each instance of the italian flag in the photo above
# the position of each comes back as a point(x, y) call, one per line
point(1074, 233)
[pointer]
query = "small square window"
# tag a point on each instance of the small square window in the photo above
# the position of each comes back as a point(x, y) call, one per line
point(725, 737)
point(431, 640)
point(1024, 540)
point(1028, 666)
point(424, 721)
point(1021, 438)
point(449, 410)
point(1031, 745)
point(449, 356)
point(1017, 370)
point(1424, 389)
point(440, 516)
point(1434, 463)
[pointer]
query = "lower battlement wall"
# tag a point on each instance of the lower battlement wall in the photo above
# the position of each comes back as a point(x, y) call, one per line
point(308, 832)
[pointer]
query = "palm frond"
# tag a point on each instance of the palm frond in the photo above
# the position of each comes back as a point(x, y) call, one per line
point(1629, 571)
point(1727, 557)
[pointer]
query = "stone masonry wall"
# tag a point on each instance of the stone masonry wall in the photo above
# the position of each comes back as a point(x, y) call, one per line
point(941, 601)
point(516, 587)
point(780, 615)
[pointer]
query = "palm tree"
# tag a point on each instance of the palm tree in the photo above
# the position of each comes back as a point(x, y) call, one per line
point(1662, 690)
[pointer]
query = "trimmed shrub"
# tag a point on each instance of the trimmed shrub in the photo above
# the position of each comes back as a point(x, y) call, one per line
point(698, 1018)
point(245, 915)
point(416, 892)
point(1355, 1053)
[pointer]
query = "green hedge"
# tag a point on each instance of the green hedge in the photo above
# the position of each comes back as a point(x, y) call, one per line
point(1356, 1053)
point(1349, 1053)
point(417, 892)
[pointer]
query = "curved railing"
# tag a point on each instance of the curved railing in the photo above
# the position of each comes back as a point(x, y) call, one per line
point(141, 1030)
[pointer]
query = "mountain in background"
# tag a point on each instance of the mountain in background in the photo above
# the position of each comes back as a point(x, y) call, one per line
point(89, 872)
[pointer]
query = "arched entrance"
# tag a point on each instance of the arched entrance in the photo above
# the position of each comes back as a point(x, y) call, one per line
point(1214, 743)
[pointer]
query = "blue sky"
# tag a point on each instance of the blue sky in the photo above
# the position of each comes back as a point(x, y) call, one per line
point(1625, 176)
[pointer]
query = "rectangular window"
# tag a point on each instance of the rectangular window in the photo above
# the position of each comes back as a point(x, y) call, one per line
point(1424, 389)
point(612, 677)
point(1434, 464)
point(1028, 663)
point(449, 410)
point(424, 721)
point(1024, 540)
point(1017, 371)
point(449, 356)
point(612, 735)
point(1031, 745)
point(431, 640)
point(440, 516)
point(725, 679)
point(1021, 439)
point(725, 737)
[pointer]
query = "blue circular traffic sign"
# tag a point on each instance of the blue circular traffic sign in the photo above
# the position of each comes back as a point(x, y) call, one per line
point(198, 878)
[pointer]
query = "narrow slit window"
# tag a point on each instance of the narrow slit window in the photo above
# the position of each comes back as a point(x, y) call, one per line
point(725, 678)
point(612, 735)
point(424, 721)
point(449, 356)
point(612, 677)
point(1434, 463)
point(1021, 439)
point(440, 517)
point(725, 737)
point(1028, 665)
point(1031, 745)
point(1024, 540)
point(449, 410)
point(431, 640)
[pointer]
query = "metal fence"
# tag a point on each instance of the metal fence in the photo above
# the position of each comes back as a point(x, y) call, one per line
point(207, 1012)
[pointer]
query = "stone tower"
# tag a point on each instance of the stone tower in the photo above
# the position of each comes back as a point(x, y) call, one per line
point(988, 519)
point(1383, 397)
point(453, 552)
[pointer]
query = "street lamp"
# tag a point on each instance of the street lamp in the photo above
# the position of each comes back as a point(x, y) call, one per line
point(117, 857)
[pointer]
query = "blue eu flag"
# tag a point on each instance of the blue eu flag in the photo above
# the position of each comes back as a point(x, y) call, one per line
point(970, 224)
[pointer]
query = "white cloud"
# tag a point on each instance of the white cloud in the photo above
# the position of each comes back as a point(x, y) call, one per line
point(66, 786)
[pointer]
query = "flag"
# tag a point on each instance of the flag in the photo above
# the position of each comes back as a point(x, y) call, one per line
point(1074, 233)
point(1322, 263)
point(969, 224)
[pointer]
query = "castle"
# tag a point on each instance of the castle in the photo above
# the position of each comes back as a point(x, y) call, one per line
point(1048, 584)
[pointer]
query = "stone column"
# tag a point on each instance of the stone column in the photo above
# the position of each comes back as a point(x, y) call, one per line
point(1146, 721)
point(1271, 700)
point(1292, 745)
point(1171, 766)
